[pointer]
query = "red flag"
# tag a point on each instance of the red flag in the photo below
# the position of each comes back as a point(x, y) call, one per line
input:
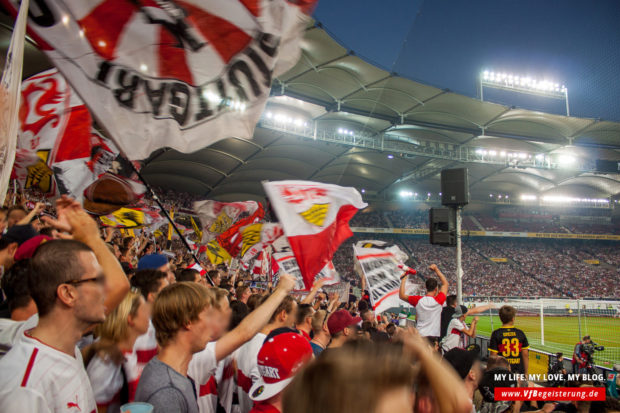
point(315, 218)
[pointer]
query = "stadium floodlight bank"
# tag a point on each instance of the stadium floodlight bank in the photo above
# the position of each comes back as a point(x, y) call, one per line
point(522, 84)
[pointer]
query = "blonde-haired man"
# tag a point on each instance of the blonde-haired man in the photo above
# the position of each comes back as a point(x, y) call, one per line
point(186, 317)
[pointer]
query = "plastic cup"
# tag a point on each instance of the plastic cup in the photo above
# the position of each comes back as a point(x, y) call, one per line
point(137, 407)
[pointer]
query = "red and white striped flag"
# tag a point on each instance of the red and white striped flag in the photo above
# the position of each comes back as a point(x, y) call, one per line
point(315, 218)
point(199, 268)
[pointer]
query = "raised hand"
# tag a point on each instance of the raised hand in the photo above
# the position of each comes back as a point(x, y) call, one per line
point(286, 283)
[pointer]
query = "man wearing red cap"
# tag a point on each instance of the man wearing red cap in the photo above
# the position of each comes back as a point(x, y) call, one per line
point(281, 356)
point(341, 327)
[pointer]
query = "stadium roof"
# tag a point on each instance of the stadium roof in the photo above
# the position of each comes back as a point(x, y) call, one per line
point(421, 129)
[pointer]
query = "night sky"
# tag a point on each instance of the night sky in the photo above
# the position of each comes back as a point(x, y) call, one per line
point(448, 43)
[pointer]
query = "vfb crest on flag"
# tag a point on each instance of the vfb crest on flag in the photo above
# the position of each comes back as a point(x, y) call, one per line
point(309, 202)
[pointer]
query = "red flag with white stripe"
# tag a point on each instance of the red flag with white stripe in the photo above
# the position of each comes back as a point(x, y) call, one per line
point(315, 218)
point(199, 268)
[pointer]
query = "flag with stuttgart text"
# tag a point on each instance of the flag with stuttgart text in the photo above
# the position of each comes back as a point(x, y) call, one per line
point(171, 73)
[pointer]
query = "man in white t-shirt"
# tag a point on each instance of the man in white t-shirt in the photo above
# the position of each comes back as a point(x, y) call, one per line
point(457, 330)
point(68, 282)
point(427, 307)
point(203, 366)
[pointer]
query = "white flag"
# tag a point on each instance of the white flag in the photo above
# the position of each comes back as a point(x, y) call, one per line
point(181, 74)
point(10, 86)
point(379, 264)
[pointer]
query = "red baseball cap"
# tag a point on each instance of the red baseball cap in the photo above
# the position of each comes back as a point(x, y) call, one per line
point(340, 320)
point(279, 359)
point(28, 248)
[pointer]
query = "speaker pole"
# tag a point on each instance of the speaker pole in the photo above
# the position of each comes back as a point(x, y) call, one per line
point(459, 265)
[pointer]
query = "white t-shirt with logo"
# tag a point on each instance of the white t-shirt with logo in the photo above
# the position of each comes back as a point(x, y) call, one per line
point(39, 378)
point(428, 313)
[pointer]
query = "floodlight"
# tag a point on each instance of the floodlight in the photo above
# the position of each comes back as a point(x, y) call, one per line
point(566, 160)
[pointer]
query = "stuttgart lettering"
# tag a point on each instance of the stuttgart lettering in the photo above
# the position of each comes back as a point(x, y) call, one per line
point(245, 79)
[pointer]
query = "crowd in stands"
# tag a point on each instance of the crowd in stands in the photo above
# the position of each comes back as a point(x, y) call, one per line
point(505, 222)
point(372, 219)
point(92, 318)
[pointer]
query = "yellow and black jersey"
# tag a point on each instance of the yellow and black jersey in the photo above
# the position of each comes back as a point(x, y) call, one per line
point(508, 343)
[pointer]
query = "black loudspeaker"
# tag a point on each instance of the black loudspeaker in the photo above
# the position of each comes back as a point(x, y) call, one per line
point(454, 187)
point(443, 226)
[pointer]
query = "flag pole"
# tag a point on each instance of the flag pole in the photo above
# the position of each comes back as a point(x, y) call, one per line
point(163, 210)
point(153, 195)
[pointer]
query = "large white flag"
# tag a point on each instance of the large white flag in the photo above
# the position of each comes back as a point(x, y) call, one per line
point(10, 86)
point(181, 74)
point(379, 264)
point(315, 218)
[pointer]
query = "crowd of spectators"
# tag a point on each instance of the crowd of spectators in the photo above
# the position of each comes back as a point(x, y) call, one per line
point(372, 219)
point(195, 337)
point(504, 222)
point(94, 318)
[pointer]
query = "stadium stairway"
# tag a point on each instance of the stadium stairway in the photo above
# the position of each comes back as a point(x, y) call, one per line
point(387, 219)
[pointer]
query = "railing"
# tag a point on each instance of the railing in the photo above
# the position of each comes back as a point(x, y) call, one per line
point(409, 147)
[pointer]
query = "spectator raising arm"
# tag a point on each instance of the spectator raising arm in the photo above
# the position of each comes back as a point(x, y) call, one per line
point(254, 321)
point(39, 207)
point(446, 385)
point(479, 309)
point(74, 220)
point(471, 332)
point(442, 278)
point(315, 289)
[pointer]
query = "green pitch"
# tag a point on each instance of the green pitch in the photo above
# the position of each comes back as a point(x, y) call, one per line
point(562, 333)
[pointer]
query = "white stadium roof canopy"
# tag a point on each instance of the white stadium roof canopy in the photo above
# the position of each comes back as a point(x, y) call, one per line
point(336, 118)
